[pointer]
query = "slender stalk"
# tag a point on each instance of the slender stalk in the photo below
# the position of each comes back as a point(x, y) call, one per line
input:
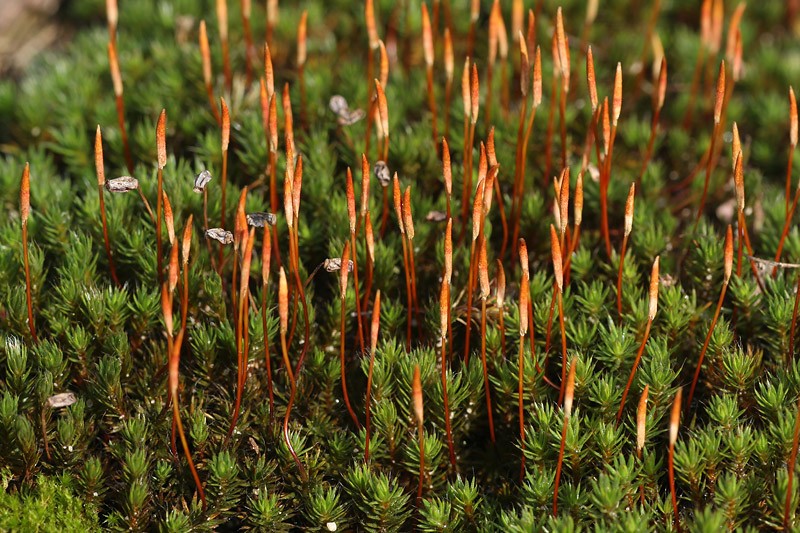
point(385, 210)
point(474, 13)
point(408, 225)
point(409, 297)
point(641, 432)
point(250, 49)
point(658, 104)
point(175, 359)
point(653, 307)
point(205, 55)
point(162, 161)
point(728, 267)
point(673, 437)
point(351, 211)
point(623, 250)
point(369, 241)
point(563, 343)
point(500, 296)
point(416, 397)
point(266, 254)
point(376, 322)
point(524, 294)
point(25, 209)
point(303, 303)
point(570, 392)
point(283, 311)
point(116, 78)
point(793, 133)
point(785, 232)
point(720, 99)
point(101, 180)
point(428, 52)
point(301, 62)
point(536, 102)
point(398, 209)
point(483, 275)
point(448, 87)
point(444, 322)
point(343, 274)
point(606, 128)
point(273, 163)
point(222, 21)
point(548, 143)
point(242, 324)
point(225, 138)
point(558, 272)
point(478, 212)
point(699, 65)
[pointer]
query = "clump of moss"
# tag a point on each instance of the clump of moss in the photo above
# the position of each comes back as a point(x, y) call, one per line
point(50, 504)
point(180, 353)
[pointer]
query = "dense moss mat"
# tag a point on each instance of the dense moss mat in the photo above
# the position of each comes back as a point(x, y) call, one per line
point(51, 505)
point(110, 452)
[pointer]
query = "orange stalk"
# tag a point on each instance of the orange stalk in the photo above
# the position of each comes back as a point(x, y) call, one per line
point(283, 311)
point(225, 141)
point(408, 225)
point(674, 422)
point(161, 150)
point(398, 210)
point(728, 267)
point(24, 210)
point(568, 399)
point(301, 62)
point(101, 181)
point(448, 87)
point(658, 104)
point(483, 276)
point(250, 49)
point(266, 254)
point(428, 52)
point(558, 272)
point(444, 323)
point(792, 143)
point(205, 55)
point(343, 274)
point(524, 294)
point(116, 79)
point(376, 322)
point(641, 431)
point(720, 98)
point(222, 21)
point(351, 213)
point(705, 21)
point(535, 103)
point(653, 307)
point(477, 212)
point(627, 232)
point(173, 378)
point(416, 399)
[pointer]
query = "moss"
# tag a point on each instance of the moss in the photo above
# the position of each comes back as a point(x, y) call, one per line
point(49, 504)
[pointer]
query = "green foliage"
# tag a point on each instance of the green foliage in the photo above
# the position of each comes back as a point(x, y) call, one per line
point(50, 505)
point(110, 459)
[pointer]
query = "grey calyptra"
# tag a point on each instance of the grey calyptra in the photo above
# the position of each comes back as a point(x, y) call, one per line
point(201, 181)
point(122, 184)
point(220, 235)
